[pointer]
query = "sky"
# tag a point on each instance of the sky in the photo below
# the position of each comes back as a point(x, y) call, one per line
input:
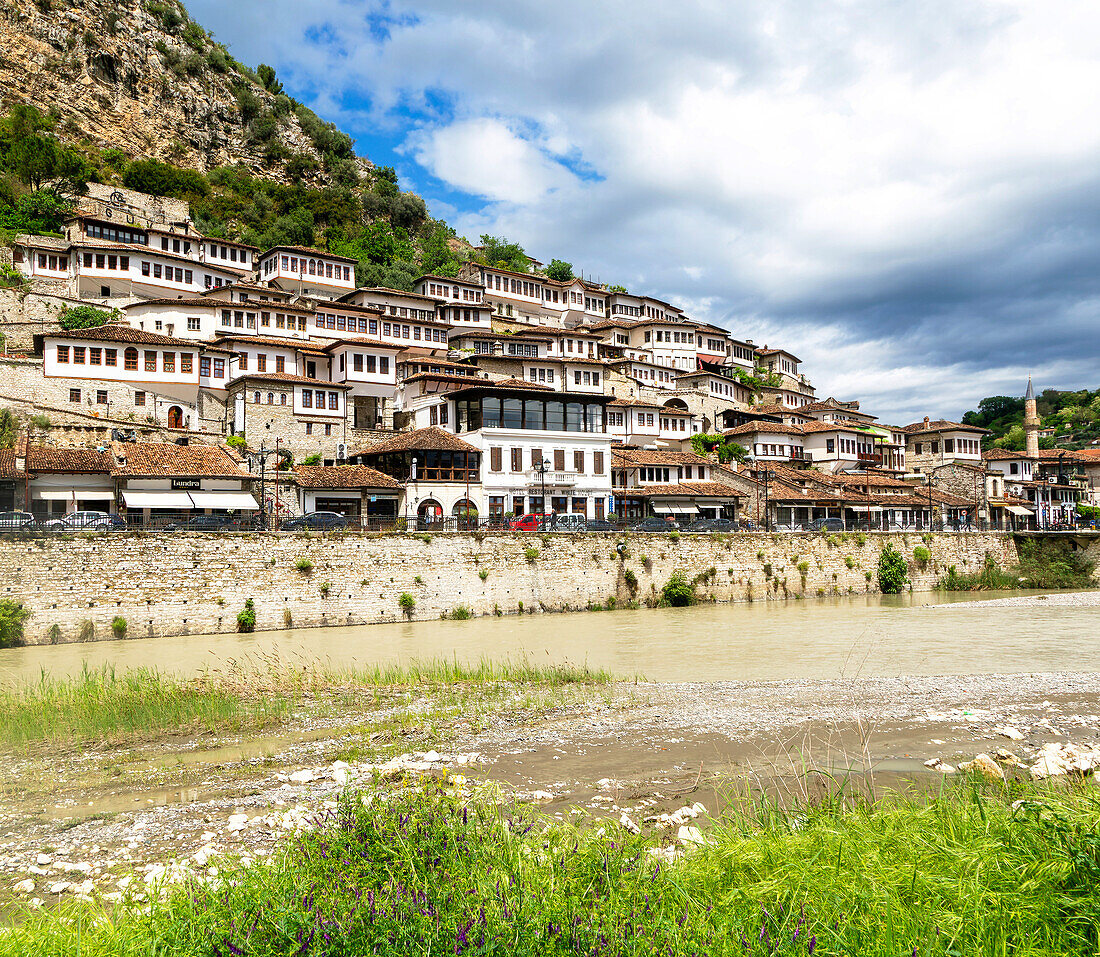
point(905, 195)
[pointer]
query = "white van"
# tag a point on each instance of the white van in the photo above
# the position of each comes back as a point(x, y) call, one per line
point(564, 522)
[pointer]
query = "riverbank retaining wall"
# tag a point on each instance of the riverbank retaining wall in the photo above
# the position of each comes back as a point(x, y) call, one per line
point(171, 584)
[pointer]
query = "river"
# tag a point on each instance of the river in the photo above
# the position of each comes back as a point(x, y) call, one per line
point(868, 636)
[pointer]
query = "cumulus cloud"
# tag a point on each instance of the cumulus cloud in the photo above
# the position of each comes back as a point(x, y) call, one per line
point(905, 195)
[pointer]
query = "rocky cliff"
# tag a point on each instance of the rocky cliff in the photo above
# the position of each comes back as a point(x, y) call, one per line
point(141, 77)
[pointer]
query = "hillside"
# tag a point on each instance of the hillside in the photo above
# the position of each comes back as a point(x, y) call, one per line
point(1074, 417)
point(140, 77)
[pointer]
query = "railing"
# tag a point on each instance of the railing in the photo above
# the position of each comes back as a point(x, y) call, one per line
point(557, 479)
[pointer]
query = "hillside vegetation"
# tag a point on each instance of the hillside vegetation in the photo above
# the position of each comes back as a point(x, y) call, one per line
point(1074, 416)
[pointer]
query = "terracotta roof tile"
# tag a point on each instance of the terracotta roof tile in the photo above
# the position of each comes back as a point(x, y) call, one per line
point(287, 377)
point(7, 465)
point(115, 333)
point(51, 459)
point(166, 459)
point(685, 489)
point(342, 476)
point(627, 457)
point(940, 425)
point(430, 438)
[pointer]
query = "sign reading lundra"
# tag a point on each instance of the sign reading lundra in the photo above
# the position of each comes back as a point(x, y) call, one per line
point(186, 483)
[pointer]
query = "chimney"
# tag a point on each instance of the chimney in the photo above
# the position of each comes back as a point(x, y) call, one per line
point(926, 421)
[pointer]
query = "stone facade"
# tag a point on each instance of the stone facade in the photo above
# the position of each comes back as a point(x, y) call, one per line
point(191, 584)
point(264, 423)
point(24, 315)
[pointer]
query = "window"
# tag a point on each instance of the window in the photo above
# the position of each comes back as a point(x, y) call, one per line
point(139, 398)
point(559, 460)
point(101, 397)
point(204, 366)
point(62, 353)
point(597, 463)
point(219, 368)
point(328, 428)
point(110, 357)
point(517, 460)
point(78, 355)
point(185, 363)
point(383, 364)
point(74, 395)
point(830, 446)
point(949, 445)
point(433, 415)
point(357, 363)
point(169, 362)
point(150, 361)
point(578, 461)
point(935, 448)
point(307, 398)
point(242, 362)
point(309, 428)
point(130, 359)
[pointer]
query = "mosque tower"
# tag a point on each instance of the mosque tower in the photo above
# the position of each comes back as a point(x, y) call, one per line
point(1031, 422)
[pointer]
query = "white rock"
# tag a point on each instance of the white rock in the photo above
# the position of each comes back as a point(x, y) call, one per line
point(36, 903)
point(44, 860)
point(341, 776)
point(38, 871)
point(690, 835)
point(699, 808)
point(84, 888)
point(984, 764)
point(1057, 759)
point(24, 887)
point(627, 823)
point(59, 887)
point(126, 881)
point(542, 797)
point(432, 757)
point(80, 867)
point(302, 777)
point(604, 783)
point(1007, 731)
point(937, 765)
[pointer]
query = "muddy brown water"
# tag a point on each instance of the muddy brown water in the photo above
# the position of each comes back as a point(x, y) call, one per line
point(867, 636)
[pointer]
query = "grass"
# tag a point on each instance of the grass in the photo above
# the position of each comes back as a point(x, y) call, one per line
point(103, 705)
point(431, 872)
point(99, 706)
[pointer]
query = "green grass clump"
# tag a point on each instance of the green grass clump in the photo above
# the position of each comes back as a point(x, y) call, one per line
point(678, 591)
point(304, 565)
point(102, 705)
point(406, 602)
point(246, 617)
point(430, 872)
point(461, 613)
point(921, 555)
point(531, 554)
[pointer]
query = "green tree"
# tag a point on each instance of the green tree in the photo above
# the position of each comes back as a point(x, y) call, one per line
point(268, 79)
point(88, 317)
point(163, 179)
point(9, 429)
point(893, 570)
point(559, 271)
point(498, 251)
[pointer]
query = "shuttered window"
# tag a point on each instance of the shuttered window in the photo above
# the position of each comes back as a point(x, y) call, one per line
point(495, 459)
point(597, 464)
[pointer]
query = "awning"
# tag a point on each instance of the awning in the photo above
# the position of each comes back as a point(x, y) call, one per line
point(1018, 510)
point(674, 510)
point(224, 500)
point(64, 495)
point(176, 500)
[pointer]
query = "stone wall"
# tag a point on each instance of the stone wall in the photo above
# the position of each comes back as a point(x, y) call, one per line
point(191, 584)
point(24, 315)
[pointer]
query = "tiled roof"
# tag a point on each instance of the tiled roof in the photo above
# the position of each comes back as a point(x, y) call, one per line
point(518, 384)
point(115, 333)
point(7, 465)
point(59, 243)
point(635, 404)
point(167, 459)
point(1062, 455)
point(844, 426)
point(301, 345)
point(1001, 455)
point(626, 457)
point(685, 489)
point(342, 476)
point(941, 425)
point(51, 459)
point(430, 438)
point(288, 377)
point(166, 301)
point(308, 252)
point(364, 343)
point(772, 428)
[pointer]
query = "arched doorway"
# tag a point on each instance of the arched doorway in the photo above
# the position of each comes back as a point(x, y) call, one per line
point(429, 512)
point(175, 417)
point(465, 513)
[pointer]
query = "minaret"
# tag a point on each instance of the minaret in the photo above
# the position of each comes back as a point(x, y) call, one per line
point(1031, 422)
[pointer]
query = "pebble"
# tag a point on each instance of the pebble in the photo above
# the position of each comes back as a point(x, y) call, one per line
point(24, 887)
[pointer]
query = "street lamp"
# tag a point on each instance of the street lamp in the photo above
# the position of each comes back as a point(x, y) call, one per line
point(260, 455)
point(541, 469)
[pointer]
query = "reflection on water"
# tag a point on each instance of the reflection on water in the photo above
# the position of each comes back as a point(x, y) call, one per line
point(869, 635)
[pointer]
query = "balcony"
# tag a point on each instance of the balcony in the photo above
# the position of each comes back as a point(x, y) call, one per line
point(552, 479)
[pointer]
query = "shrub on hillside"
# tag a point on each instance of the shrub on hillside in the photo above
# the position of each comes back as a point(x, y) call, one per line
point(678, 591)
point(13, 616)
point(892, 570)
point(87, 317)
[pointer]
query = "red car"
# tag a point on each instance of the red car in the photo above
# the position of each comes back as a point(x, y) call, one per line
point(529, 522)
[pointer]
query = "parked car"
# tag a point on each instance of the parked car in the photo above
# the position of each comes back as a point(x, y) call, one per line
point(529, 522)
point(84, 521)
point(712, 525)
point(16, 521)
point(564, 522)
point(315, 522)
point(601, 525)
point(204, 523)
point(825, 525)
point(656, 524)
